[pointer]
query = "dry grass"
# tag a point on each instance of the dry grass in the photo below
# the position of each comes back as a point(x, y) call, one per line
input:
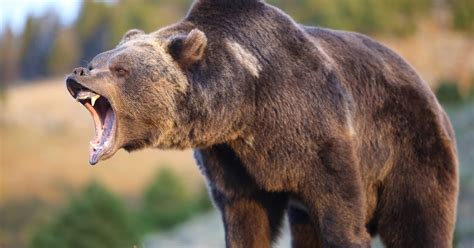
point(438, 53)
point(44, 149)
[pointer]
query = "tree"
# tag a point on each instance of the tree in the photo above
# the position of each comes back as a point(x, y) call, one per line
point(65, 52)
point(463, 14)
point(95, 219)
point(165, 202)
point(93, 27)
point(367, 16)
point(37, 41)
point(8, 58)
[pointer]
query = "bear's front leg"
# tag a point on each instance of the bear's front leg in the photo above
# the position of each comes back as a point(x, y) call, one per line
point(304, 232)
point(246, 224)
point(252, 217)
point(251, 222)
point(333, 194)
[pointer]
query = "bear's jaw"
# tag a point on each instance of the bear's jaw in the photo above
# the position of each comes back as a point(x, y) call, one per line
point(104, 118)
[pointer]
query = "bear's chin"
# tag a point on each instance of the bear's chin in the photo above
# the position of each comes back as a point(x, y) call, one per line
point(134, 146)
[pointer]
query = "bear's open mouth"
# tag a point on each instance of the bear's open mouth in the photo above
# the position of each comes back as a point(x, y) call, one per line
point(103, 116)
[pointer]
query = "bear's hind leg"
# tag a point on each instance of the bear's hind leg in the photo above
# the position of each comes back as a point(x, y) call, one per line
point(417, 211)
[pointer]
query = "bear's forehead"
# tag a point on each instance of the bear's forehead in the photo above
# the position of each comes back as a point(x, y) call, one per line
point(149, 49)
point(145, 41)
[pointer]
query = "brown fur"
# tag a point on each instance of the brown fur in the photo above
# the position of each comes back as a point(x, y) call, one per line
point(331, 121)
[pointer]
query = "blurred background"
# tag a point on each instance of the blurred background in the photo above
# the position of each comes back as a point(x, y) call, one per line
point(51, 197)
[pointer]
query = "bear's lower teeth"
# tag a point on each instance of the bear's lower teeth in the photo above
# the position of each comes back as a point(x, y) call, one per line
point(105, 127)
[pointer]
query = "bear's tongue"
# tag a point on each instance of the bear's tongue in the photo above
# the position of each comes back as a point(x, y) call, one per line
point(104, 120)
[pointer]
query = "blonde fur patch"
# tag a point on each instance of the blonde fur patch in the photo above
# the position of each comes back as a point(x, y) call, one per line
point(245, 58)
point(328, 60)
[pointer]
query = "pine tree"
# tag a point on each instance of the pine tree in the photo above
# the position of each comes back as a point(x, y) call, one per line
point(95, 219)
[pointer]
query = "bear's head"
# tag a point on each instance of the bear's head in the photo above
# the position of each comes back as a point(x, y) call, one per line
point(139, 93)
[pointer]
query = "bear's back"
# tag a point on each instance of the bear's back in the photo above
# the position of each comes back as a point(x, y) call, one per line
point(390, 102)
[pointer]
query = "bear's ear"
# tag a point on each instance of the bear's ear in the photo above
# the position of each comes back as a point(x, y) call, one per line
point(188, 49)
point(130, 34)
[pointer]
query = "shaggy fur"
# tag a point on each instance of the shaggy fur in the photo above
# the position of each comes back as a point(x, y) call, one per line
point(330, 127)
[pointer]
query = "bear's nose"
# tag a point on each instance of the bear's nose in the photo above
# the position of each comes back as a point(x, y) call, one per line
point(80, 71)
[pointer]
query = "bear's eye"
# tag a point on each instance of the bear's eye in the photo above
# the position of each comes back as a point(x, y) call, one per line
point(121, 72)
point(90, 68)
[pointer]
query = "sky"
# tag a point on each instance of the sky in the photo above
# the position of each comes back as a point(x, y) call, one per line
point(15, 12)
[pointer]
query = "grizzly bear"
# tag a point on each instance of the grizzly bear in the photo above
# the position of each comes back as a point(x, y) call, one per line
point(329, 127)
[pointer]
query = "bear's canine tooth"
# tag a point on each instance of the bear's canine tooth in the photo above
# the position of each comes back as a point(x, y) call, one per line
point(93, 99)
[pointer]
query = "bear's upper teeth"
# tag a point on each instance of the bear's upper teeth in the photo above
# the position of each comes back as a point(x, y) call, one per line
point(84, 95)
